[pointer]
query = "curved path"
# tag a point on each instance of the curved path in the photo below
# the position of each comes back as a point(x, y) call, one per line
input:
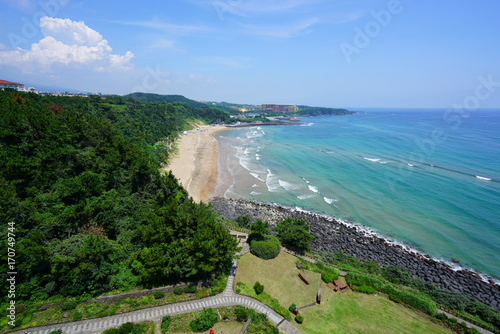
point(227, 298)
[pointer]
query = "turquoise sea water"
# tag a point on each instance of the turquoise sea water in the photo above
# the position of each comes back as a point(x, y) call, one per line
point(427, 178)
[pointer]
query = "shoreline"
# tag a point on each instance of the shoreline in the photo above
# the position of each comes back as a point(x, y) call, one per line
point(196, 165)
point(206, 172)
point(336, 235)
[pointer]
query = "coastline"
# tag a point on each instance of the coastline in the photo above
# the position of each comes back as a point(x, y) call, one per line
point(196, 165)
point(203, 168)
point(335, 235)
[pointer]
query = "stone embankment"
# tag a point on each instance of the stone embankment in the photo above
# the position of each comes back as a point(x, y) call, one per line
point(332, 235)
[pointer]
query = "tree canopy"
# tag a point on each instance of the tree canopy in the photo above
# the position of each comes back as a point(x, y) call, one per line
point(92, 211)
point(294, 233)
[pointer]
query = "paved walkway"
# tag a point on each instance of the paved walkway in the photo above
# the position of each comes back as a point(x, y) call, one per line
point(227, 298)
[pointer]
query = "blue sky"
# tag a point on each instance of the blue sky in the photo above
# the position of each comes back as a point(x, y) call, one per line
point(339, 53)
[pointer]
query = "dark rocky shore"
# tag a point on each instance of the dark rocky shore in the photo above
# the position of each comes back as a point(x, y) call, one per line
point(332, 235)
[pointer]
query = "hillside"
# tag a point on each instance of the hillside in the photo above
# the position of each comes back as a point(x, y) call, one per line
point(91, 211)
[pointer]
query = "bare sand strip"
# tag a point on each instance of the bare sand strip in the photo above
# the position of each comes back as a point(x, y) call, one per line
point(196, 164)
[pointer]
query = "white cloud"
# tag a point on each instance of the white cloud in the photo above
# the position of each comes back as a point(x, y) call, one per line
point(297, 29)
point(178, 29)
point(69, 43)
point(248, 7)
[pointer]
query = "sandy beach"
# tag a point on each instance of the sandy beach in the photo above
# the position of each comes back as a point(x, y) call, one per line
point(196, 164)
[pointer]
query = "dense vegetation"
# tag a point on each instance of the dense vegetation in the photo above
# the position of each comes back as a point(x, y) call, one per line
point(150, 97)
point(295, 234)
point(81, 182)
point(321, 111)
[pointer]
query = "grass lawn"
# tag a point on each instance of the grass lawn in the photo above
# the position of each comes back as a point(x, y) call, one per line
point(279, 277)
point(347, 312)
point(352, 312)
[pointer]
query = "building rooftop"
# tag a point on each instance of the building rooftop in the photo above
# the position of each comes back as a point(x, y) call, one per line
point(5, 82)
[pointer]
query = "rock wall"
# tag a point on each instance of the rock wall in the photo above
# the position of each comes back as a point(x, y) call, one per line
point(332, 235)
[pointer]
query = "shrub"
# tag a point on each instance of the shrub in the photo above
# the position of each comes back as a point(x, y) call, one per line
point(241, 313)
point(207, 319)
point(295, 233)
point(178, 291)
point(267, 248)
point(77, 316)
point(70, 305)
point(259, 288)
point(159, 294)
point(190, 289)
point(57, 331)
point(371, 267)
point(396, 274)
point(367, 289)
point(127, 328)
point(244, 221)
point(299, 318)
point(441, 316)
point(292, 308)
point(327, 277)
point(165, 323)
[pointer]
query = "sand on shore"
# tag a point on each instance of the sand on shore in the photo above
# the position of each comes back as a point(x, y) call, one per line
point(196, 164)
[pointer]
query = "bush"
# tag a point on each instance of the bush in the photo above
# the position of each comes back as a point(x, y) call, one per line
point(190, 289)
point(327, 277)
point(299, 318)
point(367, 289)
point(259, 288)
point(244, 221)
point(207, 319)
point(57, 331)
point(70, 305)
point(292, 308)
point(396, 274)
point(295, 233)
point(165, 323)
point(267, 248)
point(159, 294)
point(178, 291)
point(242, 314)
point(127, 328)
point(441, 316)
point(77, 316)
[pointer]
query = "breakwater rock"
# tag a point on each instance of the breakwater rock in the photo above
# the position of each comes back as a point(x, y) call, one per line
point(333, 235)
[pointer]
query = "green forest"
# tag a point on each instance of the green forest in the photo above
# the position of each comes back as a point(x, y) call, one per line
point(91, 209)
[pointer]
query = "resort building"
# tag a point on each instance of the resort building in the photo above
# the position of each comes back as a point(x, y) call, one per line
point(7, 84)
point(279, 107)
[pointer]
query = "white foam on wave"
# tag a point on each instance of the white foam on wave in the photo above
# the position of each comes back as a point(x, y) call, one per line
point(306, 196)
point(371, 233)
point(307, 124)
point(330, 200)
point(372, 159)
point(313, 189)
point(254, 193)
point(255, 133)
point(288, 186)
point(272, 182)
point(483, 178)
point(411, 165)
point(255, 185)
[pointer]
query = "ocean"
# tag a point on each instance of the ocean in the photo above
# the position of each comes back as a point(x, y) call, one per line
point(426, 178)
